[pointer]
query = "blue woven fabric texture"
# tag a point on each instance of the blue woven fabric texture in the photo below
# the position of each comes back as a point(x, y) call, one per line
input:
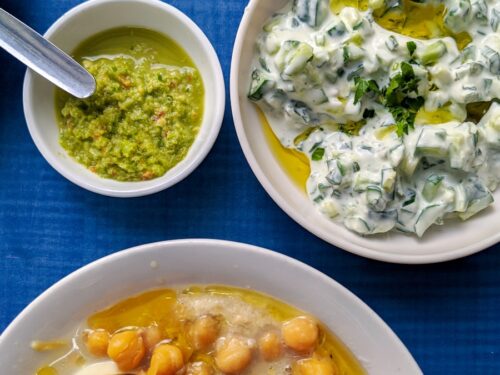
point(447, 314)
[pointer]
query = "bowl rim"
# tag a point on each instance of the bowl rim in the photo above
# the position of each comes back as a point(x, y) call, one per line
point(161, 183)
point(326, 236)
point(251, 250)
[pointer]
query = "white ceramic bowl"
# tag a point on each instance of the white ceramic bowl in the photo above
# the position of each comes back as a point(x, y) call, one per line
point(61, 308)
point(452, 241)
point(89, 19)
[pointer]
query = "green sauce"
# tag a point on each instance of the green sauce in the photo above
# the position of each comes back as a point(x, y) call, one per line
point(146, 111)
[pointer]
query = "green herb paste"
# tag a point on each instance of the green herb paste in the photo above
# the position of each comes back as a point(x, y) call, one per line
point(147, 109)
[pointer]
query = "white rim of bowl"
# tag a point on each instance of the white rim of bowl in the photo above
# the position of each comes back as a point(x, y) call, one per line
point(326, 236)
point(201, 154)
point(167, 245)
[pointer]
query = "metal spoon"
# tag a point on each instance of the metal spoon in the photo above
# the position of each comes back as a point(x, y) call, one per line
point(43, 57)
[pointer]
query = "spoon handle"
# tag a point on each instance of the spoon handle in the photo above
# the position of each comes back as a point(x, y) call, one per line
point(43, 57)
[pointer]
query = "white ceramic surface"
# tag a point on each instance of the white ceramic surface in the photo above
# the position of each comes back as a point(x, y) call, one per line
point(452, 241)
point(93, 17)
point(59, 310)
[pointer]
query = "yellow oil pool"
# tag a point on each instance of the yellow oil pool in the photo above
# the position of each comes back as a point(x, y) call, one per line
point(416, 20)
point(294, 163)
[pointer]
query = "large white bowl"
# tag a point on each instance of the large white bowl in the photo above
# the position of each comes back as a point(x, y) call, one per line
point(95, 16)
point(62, 307)
point(452, 241)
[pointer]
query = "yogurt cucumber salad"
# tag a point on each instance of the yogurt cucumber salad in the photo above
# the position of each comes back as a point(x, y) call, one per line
point(392, 101)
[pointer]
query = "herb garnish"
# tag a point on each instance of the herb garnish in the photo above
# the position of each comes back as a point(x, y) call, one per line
point(412, 47)
point(363, 87)
point(318, 154)
point(396, 97)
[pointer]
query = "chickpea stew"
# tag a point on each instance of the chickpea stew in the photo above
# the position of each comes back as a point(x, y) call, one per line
point(201, 330)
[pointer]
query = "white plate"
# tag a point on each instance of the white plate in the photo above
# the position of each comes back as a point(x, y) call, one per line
point(452, 241)
point(59, 310)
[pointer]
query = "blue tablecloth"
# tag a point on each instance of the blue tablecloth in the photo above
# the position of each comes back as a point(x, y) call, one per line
point(447, 314)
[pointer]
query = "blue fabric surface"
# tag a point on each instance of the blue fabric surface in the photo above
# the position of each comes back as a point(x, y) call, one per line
point(447, 314)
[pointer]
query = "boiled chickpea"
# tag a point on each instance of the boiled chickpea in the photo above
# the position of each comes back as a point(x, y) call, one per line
point(233, 356)
point(314, 366)
point(166, 360)
point(97, 342)
point(204, 331)
point(270, 346)
point(127, 349)
point(199, 368)
point(151, 336)
point(300, 334)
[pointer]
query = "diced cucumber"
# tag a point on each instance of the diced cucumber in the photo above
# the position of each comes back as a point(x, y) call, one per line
point(463, 143)
point(392, 43)
point(337, 172)
point(432, 53)
point(312, 12)
point(457, 16)
point(431, 187)
point(410, 196)
point(338, 29)
point(493, 58)
point(357, 225)
point(286, 48)
point(329, 208)
point(432, 142)
point(470, 69)
point(461, 199)
point(302, 110)
point(364, 178)
point(259, 85)
point(480, 11)
point(477, 205)
point(317, 96)
point(428, 216)
point(383, 221)
point(374, 197)
point(409, 164)
point(396, 154)
point(495, 19)
point(293, 57)
point(388, 179)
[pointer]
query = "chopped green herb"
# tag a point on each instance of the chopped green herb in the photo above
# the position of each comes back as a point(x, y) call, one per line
point(363, 87)
point(346, 55)
point(318, 154)
point(395, 97)
point(412, 47)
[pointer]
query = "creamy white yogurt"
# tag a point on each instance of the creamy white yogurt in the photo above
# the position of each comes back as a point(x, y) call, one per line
point(307, 64)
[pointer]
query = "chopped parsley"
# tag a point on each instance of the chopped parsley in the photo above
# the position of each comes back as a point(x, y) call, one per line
point(318, 154)
point(412, 47)
point(400, 97)
point(363, 87)
point(346, 55)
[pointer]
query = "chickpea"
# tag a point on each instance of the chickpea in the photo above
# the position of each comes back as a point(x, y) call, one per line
point(270, 346)
point(205, 331)
point(300, 334)
point(127, 349)
point(233, 356)
point(314, 366)
point(151, 337)
point(97, 342)
point(166, 360)
point(199, 368)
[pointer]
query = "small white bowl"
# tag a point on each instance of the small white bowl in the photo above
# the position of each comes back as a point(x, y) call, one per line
point(451, 241)
point(96, 16)
point(58, 312)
